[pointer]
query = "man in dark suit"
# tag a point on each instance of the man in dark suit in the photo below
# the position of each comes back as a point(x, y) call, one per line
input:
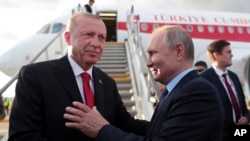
point(220, 54)
point(44, 89)
point(190, 108)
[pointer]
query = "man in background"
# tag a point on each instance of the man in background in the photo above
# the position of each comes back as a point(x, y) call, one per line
point(88, 7)
point(228, 85)
point(200, 66)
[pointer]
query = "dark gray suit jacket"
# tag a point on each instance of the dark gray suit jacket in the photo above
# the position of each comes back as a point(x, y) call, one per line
point(44, 90)
point(192, 112)
point(211, 75)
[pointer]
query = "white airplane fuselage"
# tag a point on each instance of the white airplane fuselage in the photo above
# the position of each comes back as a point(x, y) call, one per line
point(204, 27)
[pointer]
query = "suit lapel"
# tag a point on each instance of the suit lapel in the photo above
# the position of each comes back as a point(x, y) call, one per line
point(220, 87)
point(164, 109)
point(98, 88)
point(66, 76)
point(188, 77)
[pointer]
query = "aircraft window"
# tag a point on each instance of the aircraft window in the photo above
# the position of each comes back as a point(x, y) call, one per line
point(230, 29)
point(155, 26)
point(240, 30)
point(200, 28)
point(248, 29)
point(44, 29)
point(221, 29)
point(211, 28)
point(190, 28)
point(144, 27)
point(57, 27)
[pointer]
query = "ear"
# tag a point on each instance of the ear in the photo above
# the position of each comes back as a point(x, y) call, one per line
point(67, 38)
point(179, 50)
point(216, 54)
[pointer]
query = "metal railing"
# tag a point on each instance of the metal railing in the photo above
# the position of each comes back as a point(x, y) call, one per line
point(146, 87)
point(78, 9)
point(44, 50)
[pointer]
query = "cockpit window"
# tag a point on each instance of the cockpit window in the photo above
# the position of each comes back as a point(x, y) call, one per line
point(57, 27)
point(44, 29)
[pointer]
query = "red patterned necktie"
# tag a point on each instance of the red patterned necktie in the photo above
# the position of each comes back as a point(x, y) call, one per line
point(88, 94)
point(233, 98)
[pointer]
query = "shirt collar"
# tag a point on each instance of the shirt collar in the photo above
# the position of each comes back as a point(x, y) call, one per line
point(77, 69)
point(170, 86)
point(218, 71)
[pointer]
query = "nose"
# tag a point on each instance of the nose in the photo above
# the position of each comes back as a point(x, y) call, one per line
point(149, 63)
point(95, 41)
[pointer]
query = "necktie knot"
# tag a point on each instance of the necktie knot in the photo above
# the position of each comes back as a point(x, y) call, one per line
point(85, 77)
point(224, 75)
point(163, 96)
point(165, 93)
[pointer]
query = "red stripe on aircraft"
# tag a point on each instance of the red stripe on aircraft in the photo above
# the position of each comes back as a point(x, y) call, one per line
point(232, 33)
point(122, 25)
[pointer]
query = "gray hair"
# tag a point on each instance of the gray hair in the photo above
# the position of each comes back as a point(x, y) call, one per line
point(71, 24)
point(175, 35)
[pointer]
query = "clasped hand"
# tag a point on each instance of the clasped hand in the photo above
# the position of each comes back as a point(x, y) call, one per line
point(81, 117)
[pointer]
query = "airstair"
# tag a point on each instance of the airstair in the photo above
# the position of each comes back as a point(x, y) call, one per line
point(114, 62)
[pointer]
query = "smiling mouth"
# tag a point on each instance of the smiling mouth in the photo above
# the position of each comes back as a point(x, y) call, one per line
point(154, 71)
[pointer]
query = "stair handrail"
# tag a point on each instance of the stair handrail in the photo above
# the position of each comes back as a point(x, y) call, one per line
point(147, 88)
point(138, 105)
point(43, 50)
point(79, 9)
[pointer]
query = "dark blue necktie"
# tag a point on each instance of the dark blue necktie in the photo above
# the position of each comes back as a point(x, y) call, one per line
point(163, 96)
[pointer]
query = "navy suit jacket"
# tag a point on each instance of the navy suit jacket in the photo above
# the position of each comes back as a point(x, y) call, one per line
point(192, 112)
point(211, 75)
point(44, 90)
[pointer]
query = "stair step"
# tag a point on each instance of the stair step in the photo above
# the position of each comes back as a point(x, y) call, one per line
point(129, 103)
point(120, 54)
point(112, 49)
point(114, 70)
point(122, 80)
point(113, 58)
point(124, 86)
point(132, 113)
point(111, 65)
point(118, 75)
point(112, 61)
point(126, 95)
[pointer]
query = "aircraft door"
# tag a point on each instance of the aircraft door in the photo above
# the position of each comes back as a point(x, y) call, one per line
point(110, 20)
